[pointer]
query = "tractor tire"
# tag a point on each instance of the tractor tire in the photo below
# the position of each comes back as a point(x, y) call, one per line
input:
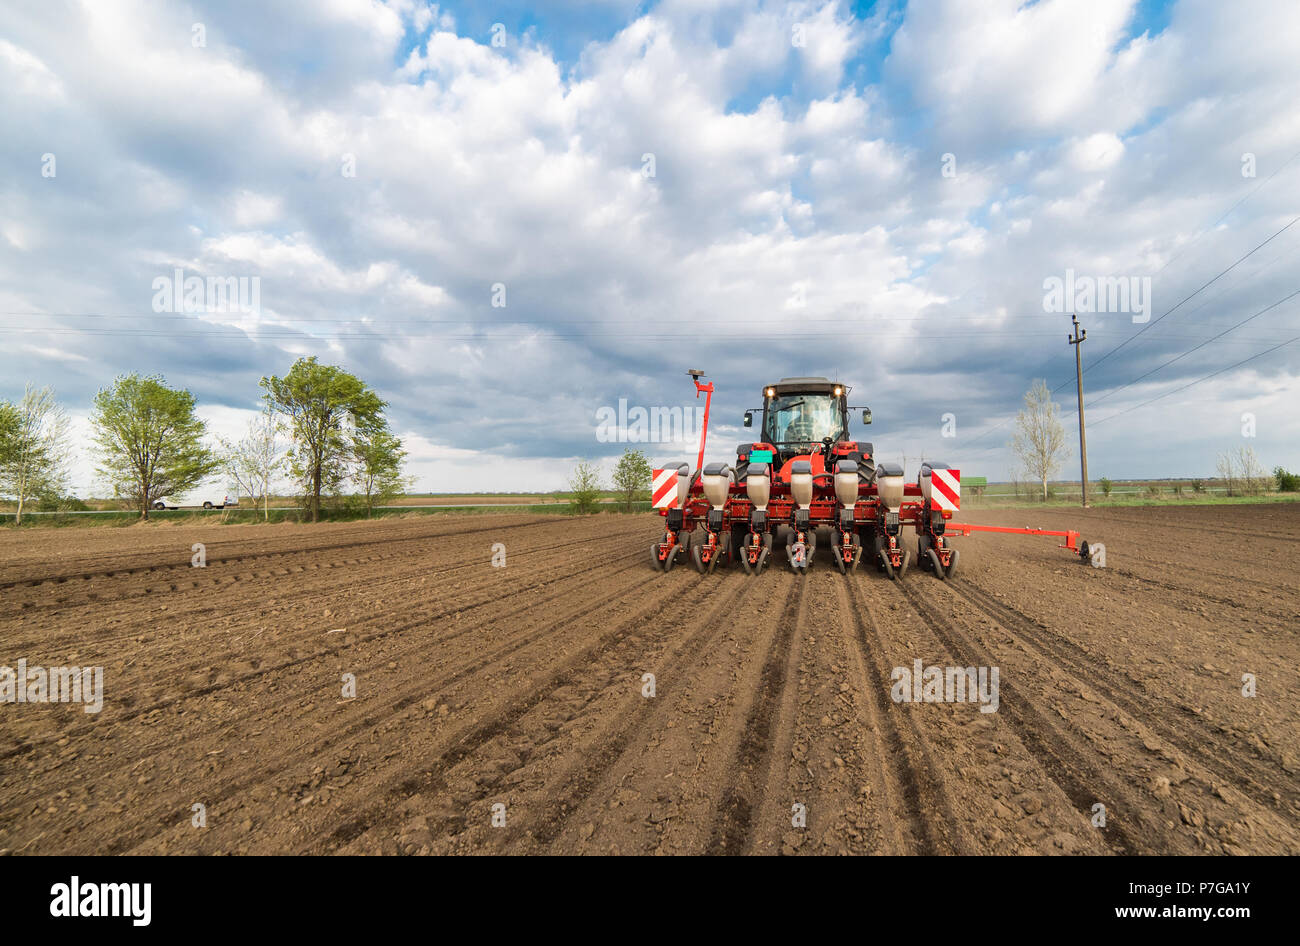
point(934, 564)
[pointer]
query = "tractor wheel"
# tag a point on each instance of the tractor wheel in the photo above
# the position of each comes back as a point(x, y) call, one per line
point(934, 563)
point(887, 567)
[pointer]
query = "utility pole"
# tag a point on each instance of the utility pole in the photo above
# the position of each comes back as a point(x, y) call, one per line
point(1077, 341)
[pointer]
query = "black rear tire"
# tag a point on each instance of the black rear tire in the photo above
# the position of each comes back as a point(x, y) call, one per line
point(935, 567)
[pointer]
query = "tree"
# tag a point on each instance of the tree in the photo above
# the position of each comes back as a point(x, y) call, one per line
point(1106, 486)
point(149, 440)
point(378, 455)
point(1251, 470)
point(1039, 440)
point(1226, 467)
point(323, 404)
point(632, 475)
point(584, 488)
point(255, 460)
point(33, 461)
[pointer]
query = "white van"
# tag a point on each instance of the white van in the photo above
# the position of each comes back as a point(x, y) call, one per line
point(203, 496)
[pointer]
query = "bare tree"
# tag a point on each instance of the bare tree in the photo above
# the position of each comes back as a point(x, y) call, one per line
point(1250, 470)
point(1039, 440)
point(34, 461)
point(254, 462)
point(1226, 467)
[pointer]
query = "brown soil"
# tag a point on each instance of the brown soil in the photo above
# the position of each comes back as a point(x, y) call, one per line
point(522, 686)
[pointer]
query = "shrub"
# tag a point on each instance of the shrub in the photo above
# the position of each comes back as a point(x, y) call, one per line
point(584, 488)
point(1106, 486)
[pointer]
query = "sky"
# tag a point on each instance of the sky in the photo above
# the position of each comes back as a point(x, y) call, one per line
point(508, 218)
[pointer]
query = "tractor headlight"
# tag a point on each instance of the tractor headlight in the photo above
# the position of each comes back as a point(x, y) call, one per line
point(839, 391)
point(770, 392)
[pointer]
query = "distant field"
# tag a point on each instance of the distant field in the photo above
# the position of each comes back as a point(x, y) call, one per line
point(108, 512)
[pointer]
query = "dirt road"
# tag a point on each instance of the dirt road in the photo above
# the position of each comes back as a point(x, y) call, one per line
point(519, 694)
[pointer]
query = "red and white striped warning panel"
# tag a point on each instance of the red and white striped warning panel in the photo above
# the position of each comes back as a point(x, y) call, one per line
point(663, 489)
point(945, 489)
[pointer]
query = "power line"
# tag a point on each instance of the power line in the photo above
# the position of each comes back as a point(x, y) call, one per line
point(1213, 374)
point(1198, 347)
point(1226, 213)
point(1152, 324)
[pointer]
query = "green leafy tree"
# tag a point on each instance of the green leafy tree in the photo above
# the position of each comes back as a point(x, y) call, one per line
point(34, 462)
point(324, 405)
point(632, 475)
point(8, 432)
point(584, 488)
point(149, 440)
point(378, 456)
point(1286, 482)
point(1106, 486)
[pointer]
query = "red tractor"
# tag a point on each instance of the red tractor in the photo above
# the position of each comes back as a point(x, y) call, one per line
point(804, 473)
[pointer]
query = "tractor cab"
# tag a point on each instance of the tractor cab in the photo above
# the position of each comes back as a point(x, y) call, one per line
point(805, 419)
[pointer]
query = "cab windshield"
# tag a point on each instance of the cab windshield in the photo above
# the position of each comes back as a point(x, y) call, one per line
point(802, 419)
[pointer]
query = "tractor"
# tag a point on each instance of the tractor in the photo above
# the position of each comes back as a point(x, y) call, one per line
point(804, 480)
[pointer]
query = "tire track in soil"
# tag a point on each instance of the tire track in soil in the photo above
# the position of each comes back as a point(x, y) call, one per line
point(217, 607)
point(907, 757)
point(269, 668)
point(229, 723)
point(400, 702)
point(353, 540)
point(1220, 600)
point(221, 581)
point(394, 792)
point(751, 761)
point(1075, 769)
point(655, 798)
point(1235, 534)
point(565, 795)
point(1266, 784)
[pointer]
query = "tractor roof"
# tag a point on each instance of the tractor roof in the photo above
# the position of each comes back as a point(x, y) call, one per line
point(805, 386)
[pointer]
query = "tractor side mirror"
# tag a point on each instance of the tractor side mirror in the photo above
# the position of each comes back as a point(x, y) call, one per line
point(866, 415)
point(749, 418)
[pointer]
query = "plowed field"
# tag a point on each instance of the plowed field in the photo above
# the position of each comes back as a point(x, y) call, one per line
point(507, 709)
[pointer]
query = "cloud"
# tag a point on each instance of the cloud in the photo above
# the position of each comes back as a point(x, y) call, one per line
point(656, 188)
